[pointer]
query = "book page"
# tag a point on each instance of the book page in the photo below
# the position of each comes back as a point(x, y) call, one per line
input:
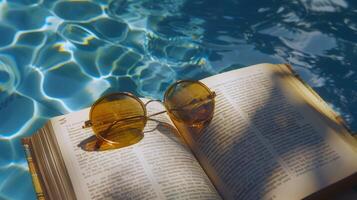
point(160, 166)
point(265, 141)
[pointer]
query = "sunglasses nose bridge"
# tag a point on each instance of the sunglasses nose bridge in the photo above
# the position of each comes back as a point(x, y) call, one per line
point(158, 113)
point(153, 100)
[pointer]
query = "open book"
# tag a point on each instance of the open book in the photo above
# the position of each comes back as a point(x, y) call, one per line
point(271, 137)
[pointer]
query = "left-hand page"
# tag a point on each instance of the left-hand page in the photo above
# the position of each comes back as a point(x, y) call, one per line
point(160, 166)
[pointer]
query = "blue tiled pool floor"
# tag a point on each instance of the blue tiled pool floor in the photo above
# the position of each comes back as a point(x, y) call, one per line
point(60, 56)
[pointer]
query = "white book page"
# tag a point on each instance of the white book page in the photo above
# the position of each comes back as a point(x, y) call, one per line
point(265, 142)
point(160, 166)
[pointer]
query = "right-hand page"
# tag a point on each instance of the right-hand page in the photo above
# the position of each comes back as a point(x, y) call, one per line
point(269, 139)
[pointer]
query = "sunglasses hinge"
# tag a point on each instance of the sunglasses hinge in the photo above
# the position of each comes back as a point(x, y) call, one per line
point(213, 94)
point(87, 124)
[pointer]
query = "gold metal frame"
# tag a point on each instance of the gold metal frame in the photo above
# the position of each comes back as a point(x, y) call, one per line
point(146, 117)
point(89, 123)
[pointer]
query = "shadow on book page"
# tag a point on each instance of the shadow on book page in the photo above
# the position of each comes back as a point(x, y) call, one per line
point(270, 138)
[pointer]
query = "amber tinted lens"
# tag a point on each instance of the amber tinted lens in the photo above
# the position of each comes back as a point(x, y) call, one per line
point(118, 119)
point(190, 102)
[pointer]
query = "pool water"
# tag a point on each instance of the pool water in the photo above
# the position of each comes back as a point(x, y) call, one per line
point(60, 56)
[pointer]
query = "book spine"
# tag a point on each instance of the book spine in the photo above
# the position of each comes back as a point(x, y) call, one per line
point(33, 169)
point(338, 117)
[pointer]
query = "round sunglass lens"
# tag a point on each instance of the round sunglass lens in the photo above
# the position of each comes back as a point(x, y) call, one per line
point(118, 119)
point(190, 102)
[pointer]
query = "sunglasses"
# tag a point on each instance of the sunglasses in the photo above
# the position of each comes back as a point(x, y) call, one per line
point(120, 118)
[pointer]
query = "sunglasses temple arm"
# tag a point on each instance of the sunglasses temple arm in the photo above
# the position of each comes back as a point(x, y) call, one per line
point(117, 121)
point(190, 104)
point(159, 113)
point(106, 131)
point(172, 109)
point(100, 141)
point(176, 109)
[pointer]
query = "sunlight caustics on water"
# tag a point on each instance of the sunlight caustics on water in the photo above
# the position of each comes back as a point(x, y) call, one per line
point(60, 56)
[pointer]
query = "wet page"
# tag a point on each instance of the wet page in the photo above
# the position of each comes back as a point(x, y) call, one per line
point(160, 166)
point(265, 141)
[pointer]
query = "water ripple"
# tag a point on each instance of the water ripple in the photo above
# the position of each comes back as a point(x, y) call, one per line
point(7, 33)
point(113, 30)
point(27, 18)
point(9, 75)
point(77, 10)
